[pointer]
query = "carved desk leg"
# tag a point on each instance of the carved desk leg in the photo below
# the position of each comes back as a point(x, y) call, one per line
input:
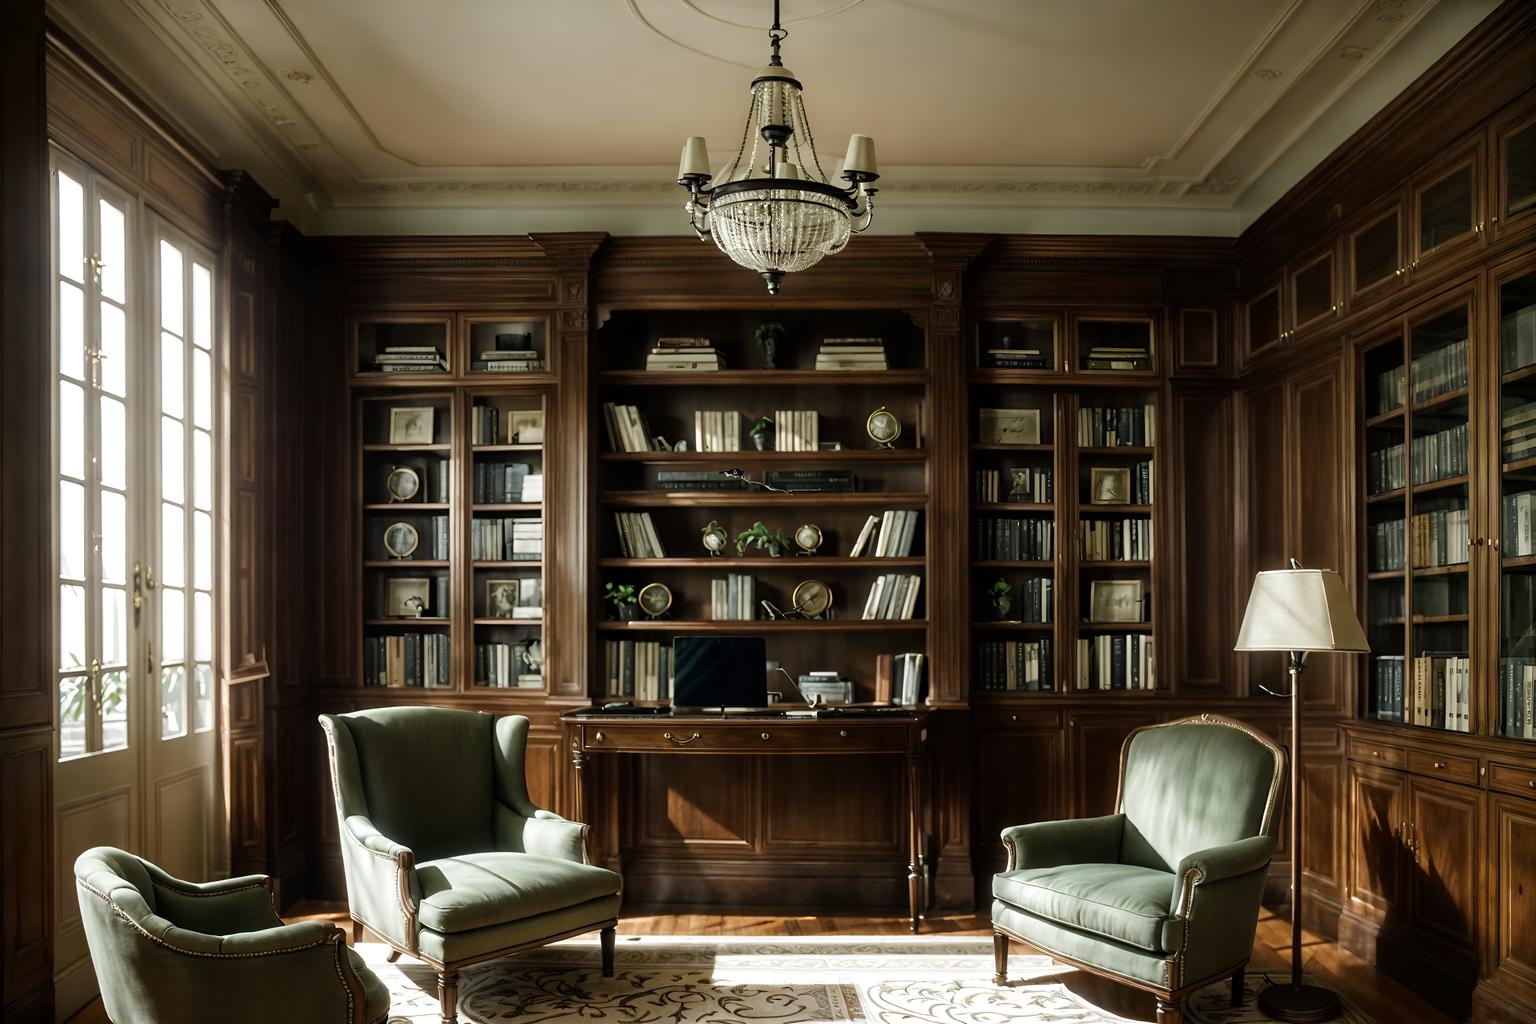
point(914, 839)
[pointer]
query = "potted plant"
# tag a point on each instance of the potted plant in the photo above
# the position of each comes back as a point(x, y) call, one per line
point(769, 334)
point(760, 432)
point(622, 597)
point(1002, 598)
point(759, 536)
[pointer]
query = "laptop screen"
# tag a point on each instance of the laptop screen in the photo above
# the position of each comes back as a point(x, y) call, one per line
point(720, 672)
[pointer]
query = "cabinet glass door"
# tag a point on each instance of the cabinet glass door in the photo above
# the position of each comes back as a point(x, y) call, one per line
point(1517, 458)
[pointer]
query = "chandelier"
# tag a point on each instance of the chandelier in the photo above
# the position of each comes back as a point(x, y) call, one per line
point(773, 210)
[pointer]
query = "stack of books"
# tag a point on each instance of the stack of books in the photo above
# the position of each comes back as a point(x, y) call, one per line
point(832, 481)
point(627, 429)
point(716, 430)
point(697, 480)
point(1439, 537)
point(907, 679)
point(1386, 469)
point(410, 359)
point(1117, 427)
point(637, 535)
point(504, 539)
point(503, 482)
point(504, 666)
point(514, 353)
point(1517, 698)
point(1391, 389)
point(484, 425)
point(1116, 661)
point(891, 533)
point(1519, 531)
point(1517, 338)
point(1115, 540)
point(1015, 664)
point(1014, 539)
point(733, 598)
point(640, 669)
point(1387, 546)
point(684, 354)
point(1116, 357)
point(893, 596)
point(1440, 455)
point(1518, 432)
point(851, 354)
point(796, 430)
point(409, 659)
point(1440, 371)
point(1024, 357)
point(831, 687)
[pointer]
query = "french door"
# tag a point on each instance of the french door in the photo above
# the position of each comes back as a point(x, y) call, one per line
point(136, 384)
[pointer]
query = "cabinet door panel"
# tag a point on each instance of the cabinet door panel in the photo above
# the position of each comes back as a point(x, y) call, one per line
point(1447, 824)
point(1514, 889)
point(1018, 781)
point(1376, 801)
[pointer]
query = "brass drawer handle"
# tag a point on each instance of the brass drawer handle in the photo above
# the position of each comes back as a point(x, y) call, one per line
point(1439, 764)
point(598, 738)
point(682, 742)
point(1375, 753)
point(766, 736)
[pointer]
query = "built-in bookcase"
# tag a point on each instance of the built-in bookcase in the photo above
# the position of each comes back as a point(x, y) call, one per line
point(1514, 710)
point(668, 499)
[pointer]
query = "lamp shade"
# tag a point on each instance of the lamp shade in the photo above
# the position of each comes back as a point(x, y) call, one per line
point(1300, 610)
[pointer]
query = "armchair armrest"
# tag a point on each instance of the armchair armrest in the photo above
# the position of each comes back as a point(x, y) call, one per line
point(543, 834)
point(1219, 863)
point(382, 890)
point(242, 904)
point(1048, 844)
point(1215, 906)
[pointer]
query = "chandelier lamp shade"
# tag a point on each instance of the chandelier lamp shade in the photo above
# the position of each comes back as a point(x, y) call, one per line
point(773, 209)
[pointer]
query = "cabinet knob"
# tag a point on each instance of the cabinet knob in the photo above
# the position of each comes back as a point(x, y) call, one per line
point(597, 738)
point(765, 736)
point(1439, 764)
point(1532, 783)
point(1375, 753)
point(843, 734)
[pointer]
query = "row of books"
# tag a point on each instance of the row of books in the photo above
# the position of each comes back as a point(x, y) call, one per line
point(1141, 486)
point(908, 676)
point(638, 669)
point(1014, 539)
point(716, 430)
point(1441, 537)
point(1386, 469)
point(1116, 661)
point(829, 481)
point(1024, 484)
point(410, 359)
point(406, 659)
point(1024, 357)
point(892, 533)
point(485, 425)
point(1519, 531)
point(1014, 664)
point(1117, 357)
point(796, 430)
point(1517, 698)
point(506, 482)
point(627, 429)
point(892, 596)
point(1388, 541)
point(637, 535)
point(1433, 689)
point(1033, 600)
point(1117, 427)
point(1115, 540)
point(697, 480)
point(1517, 338)
point(851, 354)
point(505, 666)
point(1440, 455)
point(502, 360)
point(505, 539)
point(1517, 437)
point(733, 598)
point(1444, 369)
point(684, 354)
point(1391, 389)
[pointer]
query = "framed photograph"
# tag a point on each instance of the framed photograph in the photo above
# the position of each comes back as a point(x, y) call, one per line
point(1109, 486)
point(403, 483)
point(1010, 426)
point(514, 599)
point(407, 597)
point(1115, 601)
point(525, 426)
point(410, 424)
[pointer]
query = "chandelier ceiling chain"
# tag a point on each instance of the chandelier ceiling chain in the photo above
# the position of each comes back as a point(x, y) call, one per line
point(778, 214)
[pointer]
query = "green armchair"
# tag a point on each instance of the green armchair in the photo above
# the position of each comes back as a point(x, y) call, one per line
point(446, 858)
point(1164, 894)
point(169, 950)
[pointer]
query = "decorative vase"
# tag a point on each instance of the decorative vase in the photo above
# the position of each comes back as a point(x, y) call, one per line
point(775, 549)
point(628, 612)
point(1002, 605)
point(760, 441)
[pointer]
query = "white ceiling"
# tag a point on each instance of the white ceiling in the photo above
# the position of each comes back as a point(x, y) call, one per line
point(1178, 116)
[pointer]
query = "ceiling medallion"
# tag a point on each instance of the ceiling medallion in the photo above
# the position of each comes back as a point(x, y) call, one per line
point(774, 211)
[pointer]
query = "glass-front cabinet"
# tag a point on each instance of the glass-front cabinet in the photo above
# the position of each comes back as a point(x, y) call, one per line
point(1514, 163)
point(1515, 295)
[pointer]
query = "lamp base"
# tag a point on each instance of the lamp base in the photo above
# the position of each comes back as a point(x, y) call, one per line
point(1298, 1004)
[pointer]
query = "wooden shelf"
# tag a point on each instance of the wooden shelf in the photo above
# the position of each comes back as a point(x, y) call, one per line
point(408, 563)
point(1520, 465)
point(1114, 565)
point(1013, 506)
point(795, 563)
point(756, 457)
point(1021, 449)
point(1384, 417)
point(521, 563)
point(407, 447)
point(507, 448)
point(1114, 627)
point(402, 621)
point(1396, 494)
point(998, 563)
point(512, 506)
point(1024, 627)
point(758, 498)
point(1441, 485)
point(1144, 451)
point(508, 622)
point(1433, 620)
point(1110, 510)
point(760, 378)
point(406, 506)
point(1519, 374)
point(1519, 561)
point(1385, 574)
point(765, 626)
point(1442, 399)
point(1440, 570)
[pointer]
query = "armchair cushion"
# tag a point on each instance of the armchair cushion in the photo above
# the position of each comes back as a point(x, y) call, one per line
point(1119, 901)
point(478, 890)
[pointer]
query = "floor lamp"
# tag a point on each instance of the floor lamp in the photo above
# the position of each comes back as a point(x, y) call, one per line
point(1298, 611)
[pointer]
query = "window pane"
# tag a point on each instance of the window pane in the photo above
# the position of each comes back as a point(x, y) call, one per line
point(173, 541)
point(202, 389)
point(73, 692)
point(71, 627)
point(71, 331)
point(203, 709)
point(114, 710)
point(114, 626)
point(71, 531)
point(202, 550)
point(114, 537)
point(173, 624)
point(71, 228)
point(202, 629)
point(173, 701)
point(202, 469)
point(114, 350)
point(114, 444)
point(173, 486)
point(113, 253)
point(71, 430)
point(202, 306)
point(170, 288)
point(171, 359)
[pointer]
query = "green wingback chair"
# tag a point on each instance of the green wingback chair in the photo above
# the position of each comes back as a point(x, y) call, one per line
point(169, 950)
point(1163, 894)
point(446, 858)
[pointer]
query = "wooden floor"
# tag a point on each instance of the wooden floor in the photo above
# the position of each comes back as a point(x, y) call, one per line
point(1374, 993)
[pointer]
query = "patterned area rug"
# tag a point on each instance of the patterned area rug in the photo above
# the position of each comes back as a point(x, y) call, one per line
point(709, 980)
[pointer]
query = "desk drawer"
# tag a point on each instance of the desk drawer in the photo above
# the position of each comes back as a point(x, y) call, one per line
point(1444, 766)
point(771, 737)
point(1375, 753)
point(1511, 779)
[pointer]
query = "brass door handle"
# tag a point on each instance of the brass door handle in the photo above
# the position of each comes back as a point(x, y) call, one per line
point(682, 742)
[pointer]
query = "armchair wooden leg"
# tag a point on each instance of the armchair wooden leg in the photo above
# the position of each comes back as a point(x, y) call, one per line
point(1170, 1012)
point(1238, 977)
point(607, 935)
point(448, 995)
point(357, 931)
point(999, 958)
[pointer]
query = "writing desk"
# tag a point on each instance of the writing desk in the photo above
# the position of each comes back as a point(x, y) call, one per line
point(591, 733)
